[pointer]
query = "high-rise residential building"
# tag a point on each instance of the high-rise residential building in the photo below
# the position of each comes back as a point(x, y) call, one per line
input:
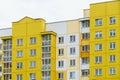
point(80, 49)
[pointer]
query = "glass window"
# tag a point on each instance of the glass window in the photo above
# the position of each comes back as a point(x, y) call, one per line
point(61, 51)
point(112, 33)
point(0, 46)
point(61, 63)
point(112, 58)
point(32, 52)
point(112, 70)
point(98, 47)
point(98, 22)
point(19, 53)
point(85, 72)
point(85, 48)
point(19, 77)
point(32, 76)
point(98, 34)
point(72, 75)
point(33, 40)
point(72, 38)
point(60, 75)
point(72, 50)
point(112, 45)
point(72, 62)
point(33, 64)
point(85, 23)
point(85, 36)
point(61, 40)
point(19, 42)
point(98, 72)
point(112, 20)
point(98, 59)
point(85, 60)
point(19, 65)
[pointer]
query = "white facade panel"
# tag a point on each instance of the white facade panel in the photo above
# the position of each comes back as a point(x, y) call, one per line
point(77, 39)
point(85, 30)
point(6, 32)
point(76, 75)
point(69, 55)
point(58, 27)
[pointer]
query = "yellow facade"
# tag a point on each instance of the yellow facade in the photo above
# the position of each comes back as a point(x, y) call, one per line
point(104, 11)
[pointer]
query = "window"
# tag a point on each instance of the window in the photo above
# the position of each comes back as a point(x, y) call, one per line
point(85, 60)
point(61, 51)
point(61, 40)
point(19, 76)
point(0, 57)
point(112, 45)
point(98, 72)
point(98, 59)
point(0, 46)
point(98, 47)
point(60, 64)
point(60, 75)
point(98, 34)
point(46, 49)
point(19, 65)
point(0, 68)
point(85, 72)
point(72, 75)
point(32, 52)
point(98, 22)
point(112, 20)
point(33, 40)
point(72, 62)
point(19, 42)
point(85, 48)
point(112, 58)
point(19, 53)
point(72, 38)
point(72, 50)
point(85, 36)
point(112, 70)
point(85, 23)
point(112, 33)
point(33, 64)
point(32, 76)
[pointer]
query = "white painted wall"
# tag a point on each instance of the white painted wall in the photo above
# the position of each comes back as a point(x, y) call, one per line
point(58, 27)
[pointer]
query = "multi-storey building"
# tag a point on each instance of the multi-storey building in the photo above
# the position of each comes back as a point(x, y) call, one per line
point(104, 40)
point(81, 49)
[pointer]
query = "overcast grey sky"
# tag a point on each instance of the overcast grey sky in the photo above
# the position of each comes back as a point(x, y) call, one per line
point(50, 10)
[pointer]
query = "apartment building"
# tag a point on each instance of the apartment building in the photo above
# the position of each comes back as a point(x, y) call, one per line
point(80, 49)
point(104, 40)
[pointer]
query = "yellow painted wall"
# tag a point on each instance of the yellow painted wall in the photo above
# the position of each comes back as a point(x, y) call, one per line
point(104, 10)
point(73, 26)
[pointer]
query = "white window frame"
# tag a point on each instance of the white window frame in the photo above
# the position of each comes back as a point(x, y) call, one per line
point(19, 77)
point(32, 76)
point(98, 59)
point(72, 50)
point(112, 70)
point(72, 38)
point(72, 75)
point(60, 51)
point(72, 62)
point(98, 34)
point(33, 52)
point(98, 47)
point(60, 75)
point(112, 33)
point(112, 20)
point(85, 60)
point(32, 40)
point(61, 39)
point(19, 65)
point(19, 42)
point(61, 63)
point(112, 45)
point(32, 64)
point(19, 53)
point(98, 22)
point(112, 58)
point(85, 72)
point(98, 72)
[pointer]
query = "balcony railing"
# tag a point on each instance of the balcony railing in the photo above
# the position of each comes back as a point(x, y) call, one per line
point(46, 67)
point(7, 70)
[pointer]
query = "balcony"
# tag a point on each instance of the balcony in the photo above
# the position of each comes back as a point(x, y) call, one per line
point(46, 78)
point(6, 71)
point(45, 55)
point(7, 59)
point(45, 67)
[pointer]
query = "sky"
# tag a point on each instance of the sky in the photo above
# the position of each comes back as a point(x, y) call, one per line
point(50, 10)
